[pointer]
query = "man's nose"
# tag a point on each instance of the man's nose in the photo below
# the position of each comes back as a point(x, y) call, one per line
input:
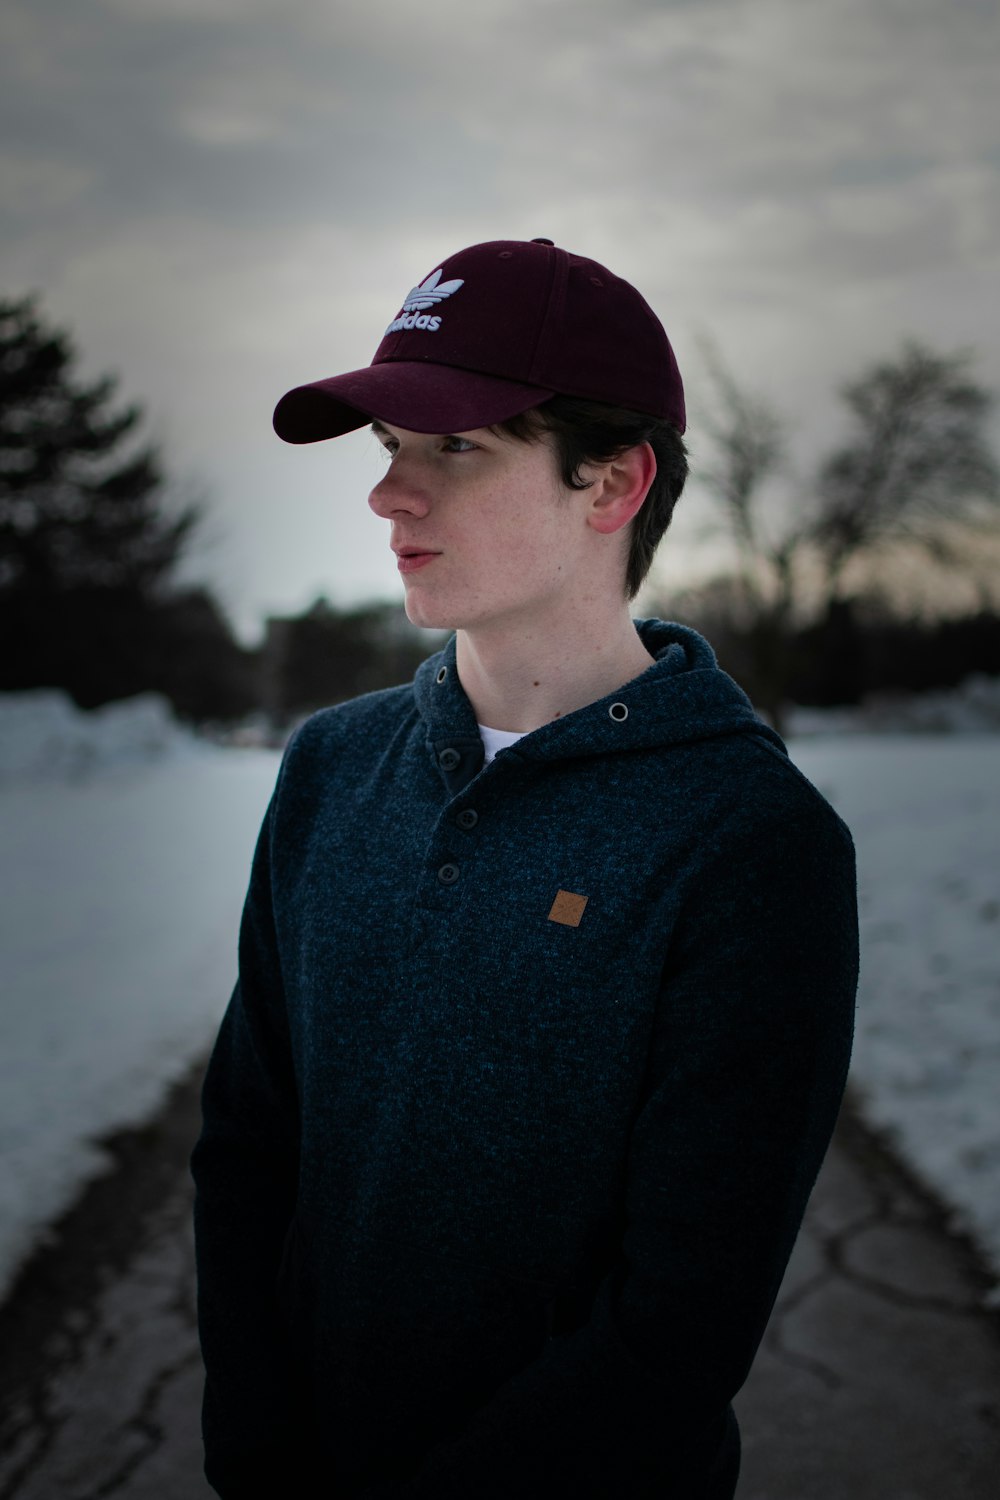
point(400, 489)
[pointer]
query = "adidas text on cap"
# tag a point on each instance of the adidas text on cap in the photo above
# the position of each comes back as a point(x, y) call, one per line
point(492, 331)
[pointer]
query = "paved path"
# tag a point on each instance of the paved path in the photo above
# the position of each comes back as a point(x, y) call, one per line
point(879, 1378)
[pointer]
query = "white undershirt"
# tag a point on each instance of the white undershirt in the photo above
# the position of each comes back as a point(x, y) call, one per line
point(497, 739)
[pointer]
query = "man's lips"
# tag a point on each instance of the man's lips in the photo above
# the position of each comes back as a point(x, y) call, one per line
point(409, 559)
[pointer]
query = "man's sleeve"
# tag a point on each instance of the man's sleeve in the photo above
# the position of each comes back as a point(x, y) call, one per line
point(746, 1071)
point(244, 1166)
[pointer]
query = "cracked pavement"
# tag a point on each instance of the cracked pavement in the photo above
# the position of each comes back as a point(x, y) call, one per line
point(879, 1374)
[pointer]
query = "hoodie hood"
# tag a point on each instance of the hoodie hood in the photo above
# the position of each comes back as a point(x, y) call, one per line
point(683, 695)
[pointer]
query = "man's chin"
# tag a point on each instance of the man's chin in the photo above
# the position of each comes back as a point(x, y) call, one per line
point(424, 616)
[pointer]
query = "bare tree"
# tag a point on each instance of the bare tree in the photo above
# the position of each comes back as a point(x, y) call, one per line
point(915, 467)
point(748, 445)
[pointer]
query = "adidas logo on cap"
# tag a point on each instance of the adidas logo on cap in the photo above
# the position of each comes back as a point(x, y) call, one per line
point(428, 294)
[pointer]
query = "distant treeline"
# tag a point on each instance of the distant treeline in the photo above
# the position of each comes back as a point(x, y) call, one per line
point(848, 655)
point(99, 646)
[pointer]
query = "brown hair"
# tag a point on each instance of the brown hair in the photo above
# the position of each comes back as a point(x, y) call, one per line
point(590, 432)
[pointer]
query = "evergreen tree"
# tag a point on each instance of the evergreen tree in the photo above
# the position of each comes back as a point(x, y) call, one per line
point(81, 507)
point(88, 542)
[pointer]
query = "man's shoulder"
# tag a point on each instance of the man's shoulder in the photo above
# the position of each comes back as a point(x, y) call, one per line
point(360, 727)
point(783, 787)
point(368, 712)
point(749, 785)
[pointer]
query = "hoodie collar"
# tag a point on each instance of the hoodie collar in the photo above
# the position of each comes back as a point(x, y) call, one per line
point(683, 695)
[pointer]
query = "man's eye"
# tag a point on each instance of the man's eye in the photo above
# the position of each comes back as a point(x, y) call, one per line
point(459, 445)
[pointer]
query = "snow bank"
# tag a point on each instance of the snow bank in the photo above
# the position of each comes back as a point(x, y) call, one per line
point(925, 815)
point(971, 708)
point(43, 735)
point(126, 847)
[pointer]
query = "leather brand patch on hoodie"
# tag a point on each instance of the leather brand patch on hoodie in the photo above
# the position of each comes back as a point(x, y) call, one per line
point(567, 908)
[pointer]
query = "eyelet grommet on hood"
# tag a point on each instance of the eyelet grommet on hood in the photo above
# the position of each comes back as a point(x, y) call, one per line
point(618, 712)
point(442, 674)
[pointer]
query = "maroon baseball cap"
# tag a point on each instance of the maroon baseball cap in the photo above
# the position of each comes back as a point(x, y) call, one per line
point(490, 332)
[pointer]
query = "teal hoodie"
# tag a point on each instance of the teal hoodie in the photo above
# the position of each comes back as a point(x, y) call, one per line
point(527, 1076)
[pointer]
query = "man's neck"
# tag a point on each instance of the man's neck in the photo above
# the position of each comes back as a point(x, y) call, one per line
point(520, 682)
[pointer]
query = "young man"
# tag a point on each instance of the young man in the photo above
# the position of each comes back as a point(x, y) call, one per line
point(546, 970)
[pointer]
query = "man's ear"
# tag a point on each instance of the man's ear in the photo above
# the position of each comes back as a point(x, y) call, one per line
point(619, 488)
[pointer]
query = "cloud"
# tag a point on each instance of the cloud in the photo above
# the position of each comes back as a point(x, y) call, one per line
point(364, 114)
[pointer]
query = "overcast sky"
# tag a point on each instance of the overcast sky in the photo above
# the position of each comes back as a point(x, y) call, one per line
point(225, 198)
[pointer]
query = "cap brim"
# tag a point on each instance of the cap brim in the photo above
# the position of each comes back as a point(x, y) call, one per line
point(414, 394)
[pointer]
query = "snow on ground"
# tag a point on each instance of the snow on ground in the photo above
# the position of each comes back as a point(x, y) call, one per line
point(125, 855)
point(124, 860)
point(971, 708)
point(43, 735)
point(925, 815)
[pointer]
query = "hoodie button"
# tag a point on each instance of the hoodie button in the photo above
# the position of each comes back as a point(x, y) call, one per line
point(619, 712)
point(467, 818)
point(449, 759)
point(448, 874)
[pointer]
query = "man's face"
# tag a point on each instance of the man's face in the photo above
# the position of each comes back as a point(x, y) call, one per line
point(485, 532)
